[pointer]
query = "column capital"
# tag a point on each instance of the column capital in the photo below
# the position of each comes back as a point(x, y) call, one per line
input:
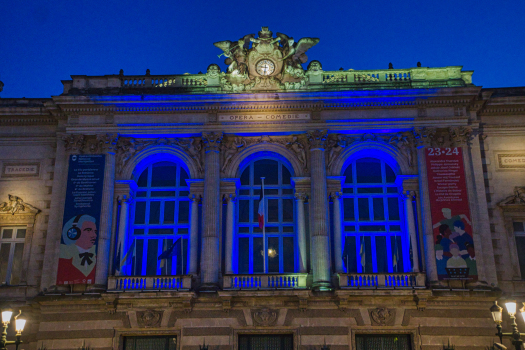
point(194, 197)
point(300, 196)
point(212, 141)
point(336, 195)
point(460, 136)
point(317, 139)
point(230, 197)
point(424, 137)
point(409, 193)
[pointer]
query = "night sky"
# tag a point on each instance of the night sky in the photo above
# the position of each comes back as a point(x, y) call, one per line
point(44, 42)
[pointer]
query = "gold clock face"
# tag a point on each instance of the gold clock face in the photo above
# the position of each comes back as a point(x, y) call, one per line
point(265, 67)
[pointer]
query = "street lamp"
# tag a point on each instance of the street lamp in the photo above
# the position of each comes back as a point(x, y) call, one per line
point(19, 327)
point(497, 315)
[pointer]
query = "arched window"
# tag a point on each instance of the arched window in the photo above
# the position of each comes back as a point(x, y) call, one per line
point(160, 222)
point(373, 238)
point(279, 218)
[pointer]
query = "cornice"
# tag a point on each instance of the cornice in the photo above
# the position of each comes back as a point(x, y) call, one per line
point(502, 110)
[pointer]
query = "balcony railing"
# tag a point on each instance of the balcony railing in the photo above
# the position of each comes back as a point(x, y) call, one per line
point(148, 283)
point(382, 280)
point(284, 281)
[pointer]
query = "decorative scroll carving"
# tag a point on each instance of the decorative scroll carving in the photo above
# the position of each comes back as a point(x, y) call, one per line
point(404, 143)
point(517, 199)
point(212, 141)
point(424, 136)
point(382, 316)
point(193, 147)
point(264, 317)
point(317, 138)
point(460, 135)
point(299, 150)
point(126, 149)
point(16, 205)
point(231, 149)
point(149, 318)
point(74, 143)
point(334, 147)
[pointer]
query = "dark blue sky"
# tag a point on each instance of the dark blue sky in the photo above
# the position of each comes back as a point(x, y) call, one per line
point(43, 42)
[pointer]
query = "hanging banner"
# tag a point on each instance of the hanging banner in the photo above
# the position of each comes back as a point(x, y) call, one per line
point(452, 228)
point(79, 240)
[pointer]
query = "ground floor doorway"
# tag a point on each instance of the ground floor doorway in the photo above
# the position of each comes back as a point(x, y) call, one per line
point(382, 342)
point(265, 342)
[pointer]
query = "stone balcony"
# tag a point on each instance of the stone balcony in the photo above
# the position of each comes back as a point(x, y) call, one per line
point(149, 283)
point(261, 282)
point(382, 281)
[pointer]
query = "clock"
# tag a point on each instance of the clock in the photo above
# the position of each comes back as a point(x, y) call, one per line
point(265, 67)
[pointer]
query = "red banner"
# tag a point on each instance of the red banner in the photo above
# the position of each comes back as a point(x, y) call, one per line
point(452, 228)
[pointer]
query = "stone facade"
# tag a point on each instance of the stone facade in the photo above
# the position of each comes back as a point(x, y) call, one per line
point(316, 126)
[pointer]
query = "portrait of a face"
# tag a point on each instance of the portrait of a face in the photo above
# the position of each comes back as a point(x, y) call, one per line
point(88, 237)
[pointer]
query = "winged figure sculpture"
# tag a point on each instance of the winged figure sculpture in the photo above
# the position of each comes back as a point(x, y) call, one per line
point(297, 50)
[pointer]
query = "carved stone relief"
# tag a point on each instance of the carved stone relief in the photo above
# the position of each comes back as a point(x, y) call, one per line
point(16, 205)
point(149, 318)
point(264, 317)
point(382, 316)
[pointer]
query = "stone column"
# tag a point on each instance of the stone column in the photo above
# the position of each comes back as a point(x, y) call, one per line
point(424, 137)
point(319, 212)
point(123, 191)
point(338, 240)
point(301, 231)
point(411, 225)
point(230, 210)
point(106, 217)
point(210, 213)
point(194, 233)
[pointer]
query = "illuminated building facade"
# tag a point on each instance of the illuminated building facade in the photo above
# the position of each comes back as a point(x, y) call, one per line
point(393, 206)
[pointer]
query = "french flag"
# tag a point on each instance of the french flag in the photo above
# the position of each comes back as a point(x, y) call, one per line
point(260, 212)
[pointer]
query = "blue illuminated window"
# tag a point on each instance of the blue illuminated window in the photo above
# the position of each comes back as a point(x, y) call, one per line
point(373, 238)
point(279, 219)
point(160, 220)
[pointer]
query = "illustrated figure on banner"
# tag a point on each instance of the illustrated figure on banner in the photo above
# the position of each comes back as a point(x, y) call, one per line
point(78, 251)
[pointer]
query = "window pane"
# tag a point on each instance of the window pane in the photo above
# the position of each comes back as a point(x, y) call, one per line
point(154, 212)
point(372, 228)
point(160, 231)
point(8, 233)
point(270, 191)
point(166, 264)
point(156, 194)
point(182, 264)
point(139, 231)
point(348, 205)
point(183, 177)
point(348, 173)
point(288, 229)
point(244, 230)
point(518, 226)
point(287, 210)
point(368, 170)
point(286, 176)
point(520, 245)
point(273, 254)
point(184, 212)
point(397, 257)
point(244, 255)
point(153, 248)
point(169, 212)
point(273, 210)
point(379, 209)
point(382, 263)
point(393, 208)
point(163, 174)
point(4, 260)
point(143, 179)
point(258, 255)
point(348, 190)
point(255, 217)
point(140, 213)
point(17, 264)
point(182, 231)
point(137, 259)
point(349, 254)
point(287, 191)
point(270, 229)
point(244, 211)
point(370, 190)
point(364, 213)
point(390, 175)
point(391, 190)
point(21, 233)
point(245, 177)
point(288, 255)
point(366, 255)
point(244, 192)
point(266, 168)
point(142, 194)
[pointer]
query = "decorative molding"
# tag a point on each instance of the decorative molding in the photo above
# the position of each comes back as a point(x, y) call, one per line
point(212, 141)
point(317, 139)
point(514, 202)
point(460, 136)
point(149, 318)
point(382, 316)
point(405, 143)
point(264, 317)
point(20, 169)
point(424, 137)
point(16, 205)
point(230, 149)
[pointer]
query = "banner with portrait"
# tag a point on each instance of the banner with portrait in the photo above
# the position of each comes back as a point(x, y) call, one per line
point(79, 236)
point(451, 221)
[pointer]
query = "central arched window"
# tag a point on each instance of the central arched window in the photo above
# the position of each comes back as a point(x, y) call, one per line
point(160, 221)
point(373, 237)
point(279, 218)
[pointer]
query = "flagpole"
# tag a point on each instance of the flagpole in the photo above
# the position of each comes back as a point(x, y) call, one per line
point(264, 227)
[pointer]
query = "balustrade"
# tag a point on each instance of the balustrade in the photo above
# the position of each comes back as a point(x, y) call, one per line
point(148, 283)
point(284, 281)
point(382, 281)
point(164, 81)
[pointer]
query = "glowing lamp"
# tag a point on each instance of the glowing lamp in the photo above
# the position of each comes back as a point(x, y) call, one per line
point(511, 307)
point(19, 325)
point(496, 313)
point(6, 316)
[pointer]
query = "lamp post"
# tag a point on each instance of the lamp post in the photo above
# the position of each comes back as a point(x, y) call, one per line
point(496, 311)
point(19, 327)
